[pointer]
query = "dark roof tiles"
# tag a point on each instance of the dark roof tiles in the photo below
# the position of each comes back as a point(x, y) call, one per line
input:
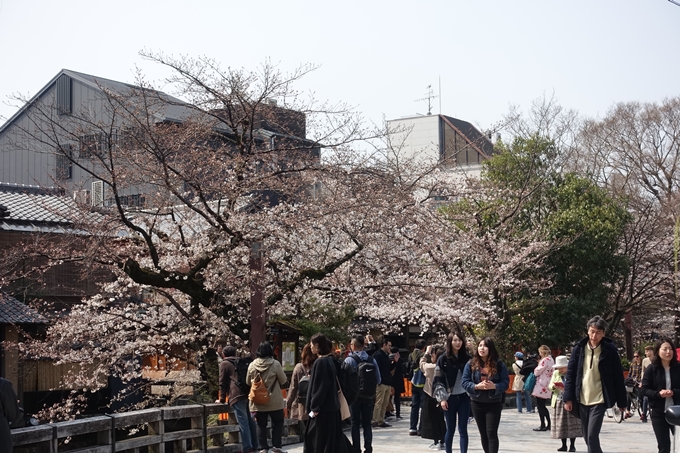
point(14, 312)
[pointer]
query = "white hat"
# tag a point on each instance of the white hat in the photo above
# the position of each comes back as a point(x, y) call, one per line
point(561, 361)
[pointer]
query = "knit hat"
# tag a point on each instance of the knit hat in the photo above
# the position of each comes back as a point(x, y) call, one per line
point(519, 355)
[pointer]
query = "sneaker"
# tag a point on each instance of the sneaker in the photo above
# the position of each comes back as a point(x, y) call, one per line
point(276, 450)
point(434, 446)
point(442, 446)
point(383, 425)
point(412, 432)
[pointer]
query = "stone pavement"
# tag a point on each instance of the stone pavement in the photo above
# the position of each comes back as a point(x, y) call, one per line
point(516, 436)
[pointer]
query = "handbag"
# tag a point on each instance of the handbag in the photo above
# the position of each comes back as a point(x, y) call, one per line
point(344, 407)
point(259, 394)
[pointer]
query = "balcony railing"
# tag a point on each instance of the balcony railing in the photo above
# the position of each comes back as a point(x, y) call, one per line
point(193, 428)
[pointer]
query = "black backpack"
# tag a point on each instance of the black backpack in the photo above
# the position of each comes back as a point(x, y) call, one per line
point(303, 389)
point(366, 373)
point(241, 370)
point(348, 376)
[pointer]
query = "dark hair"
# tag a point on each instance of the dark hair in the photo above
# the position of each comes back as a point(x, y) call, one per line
point(437, 350)
point(308, 357)
point(448, 345)
point(598, 322)
point(394, 350)
point(359, 341)
point(229, 351)
point(322, 342)
point(420, 343)
point(478, 362)
point(383, 341)
point(657, 346)
point(265, 350)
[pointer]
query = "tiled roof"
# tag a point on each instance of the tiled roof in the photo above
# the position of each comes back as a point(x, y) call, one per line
point(14, 312)
point(32, 207)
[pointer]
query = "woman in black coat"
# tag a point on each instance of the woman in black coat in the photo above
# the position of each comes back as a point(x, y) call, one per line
point(397, 380)
point(10, 412)
point(661, 385)
point(324, 430)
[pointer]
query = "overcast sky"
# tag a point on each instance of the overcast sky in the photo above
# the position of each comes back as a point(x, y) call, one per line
point(378, 56)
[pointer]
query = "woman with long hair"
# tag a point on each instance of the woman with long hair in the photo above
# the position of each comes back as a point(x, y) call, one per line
point(434, 426)
point(324, 429)
point(270, 371)
point(541, 391)
point(449, 391)
point(295, 401)
point(485, 379)
point(661, 385)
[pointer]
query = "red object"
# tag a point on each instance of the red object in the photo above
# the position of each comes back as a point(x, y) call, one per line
point(677, 354)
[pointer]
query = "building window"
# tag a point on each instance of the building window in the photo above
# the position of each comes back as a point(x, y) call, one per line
point(64, 95)
point(64, 166)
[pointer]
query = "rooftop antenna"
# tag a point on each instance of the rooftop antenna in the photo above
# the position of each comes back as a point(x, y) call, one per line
point(430, 96)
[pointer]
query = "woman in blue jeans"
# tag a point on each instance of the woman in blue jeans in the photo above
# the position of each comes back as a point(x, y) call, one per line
point(449, 392)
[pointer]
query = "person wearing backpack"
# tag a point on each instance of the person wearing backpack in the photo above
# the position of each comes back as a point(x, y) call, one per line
point(270, 372)
point(417, 385)
point(362, 409)
point(518, 384)
point(238, 396)
point(299, 385)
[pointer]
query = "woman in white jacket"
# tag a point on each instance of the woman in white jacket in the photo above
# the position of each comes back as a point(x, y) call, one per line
point(542, 392)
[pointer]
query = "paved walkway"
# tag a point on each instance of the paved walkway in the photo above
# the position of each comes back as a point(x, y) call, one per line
point(516, 436)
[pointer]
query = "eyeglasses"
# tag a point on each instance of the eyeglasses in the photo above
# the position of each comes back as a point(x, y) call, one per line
point(636, 356)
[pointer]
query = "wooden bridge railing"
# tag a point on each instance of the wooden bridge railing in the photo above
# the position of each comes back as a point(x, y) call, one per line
point(178, 429)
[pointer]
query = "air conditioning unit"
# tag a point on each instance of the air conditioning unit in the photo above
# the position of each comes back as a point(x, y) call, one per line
point(97, 194)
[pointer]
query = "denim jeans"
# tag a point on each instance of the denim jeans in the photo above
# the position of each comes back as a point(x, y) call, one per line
point(527, 398)
point(459, 407)
point(246, 425)
point(417, 398)
point(362, 411)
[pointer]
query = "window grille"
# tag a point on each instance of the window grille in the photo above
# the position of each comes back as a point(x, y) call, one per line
point(64, 165)
point(97, 196)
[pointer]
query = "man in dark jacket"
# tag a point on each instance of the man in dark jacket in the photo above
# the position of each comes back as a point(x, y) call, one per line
point(594, 381)
point(10, 413)
point(238, 399)
point(382, 394)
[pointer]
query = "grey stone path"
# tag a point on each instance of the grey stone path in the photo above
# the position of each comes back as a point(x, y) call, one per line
point(516, 436)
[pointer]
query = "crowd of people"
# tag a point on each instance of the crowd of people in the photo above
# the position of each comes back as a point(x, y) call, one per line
point(450, 385)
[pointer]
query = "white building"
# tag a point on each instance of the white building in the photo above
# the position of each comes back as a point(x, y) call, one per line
point(440, 140)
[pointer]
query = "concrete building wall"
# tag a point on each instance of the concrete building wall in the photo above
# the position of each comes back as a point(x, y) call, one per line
point(416, 138)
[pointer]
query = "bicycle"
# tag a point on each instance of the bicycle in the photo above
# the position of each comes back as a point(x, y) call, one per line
point(617, 414)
